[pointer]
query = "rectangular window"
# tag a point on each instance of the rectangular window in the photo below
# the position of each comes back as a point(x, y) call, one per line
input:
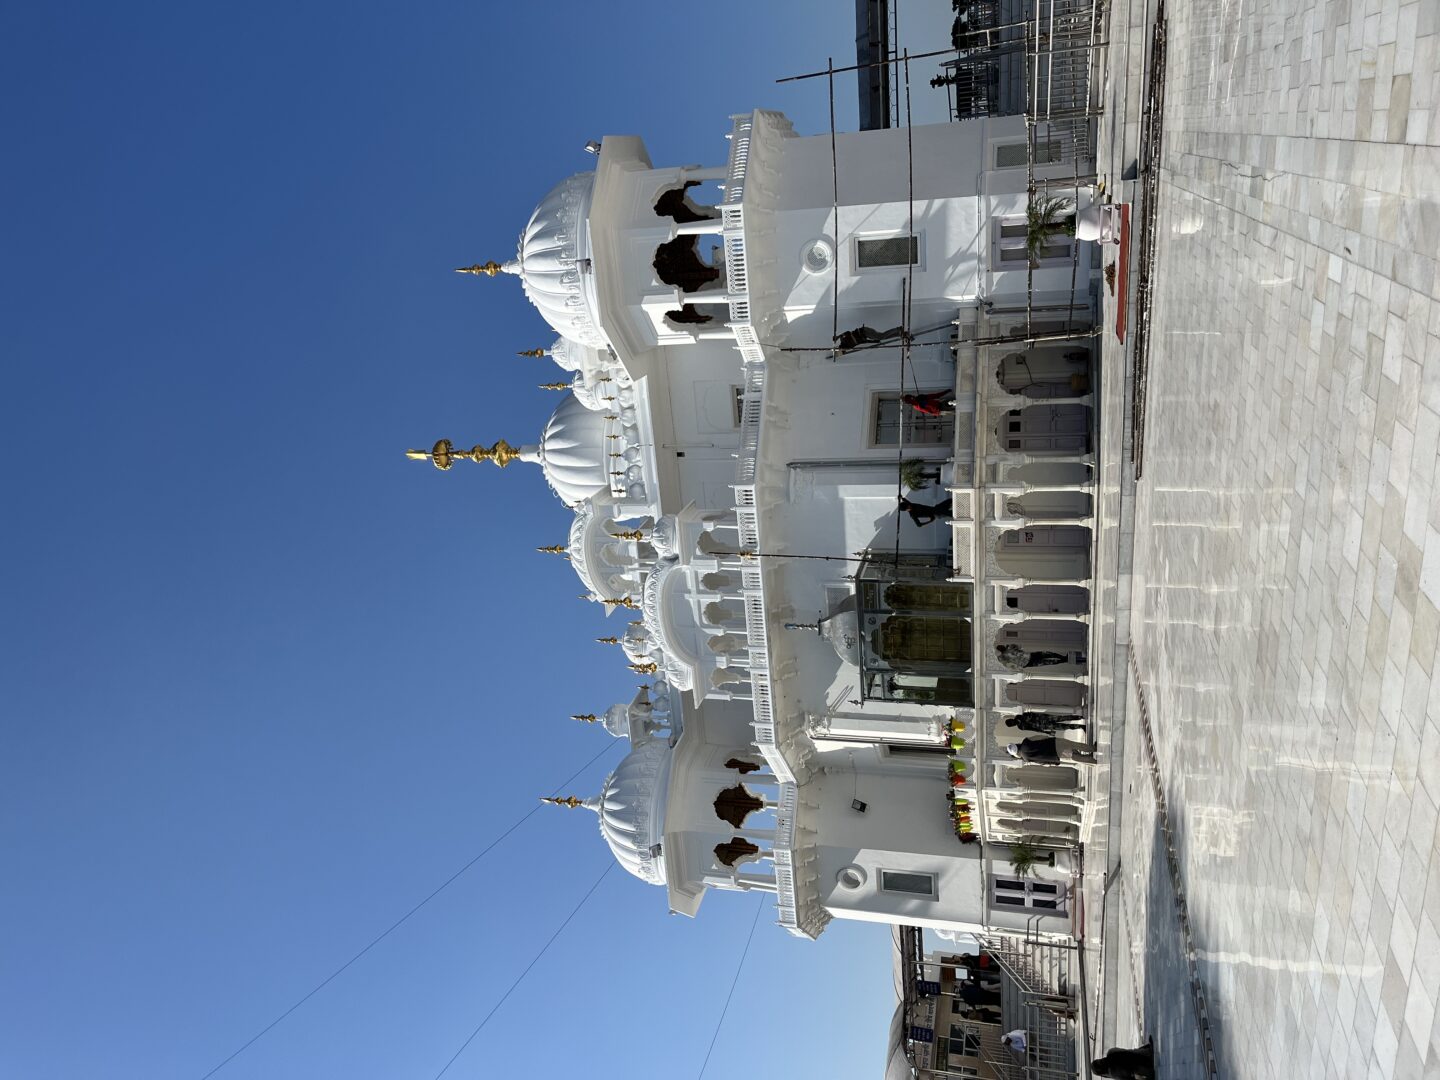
point(1010, 248)
point(964, 1040)
point(887, 251)
point(891, 420)
point(1013, 155)
point(908, 883)
point(1041, 896)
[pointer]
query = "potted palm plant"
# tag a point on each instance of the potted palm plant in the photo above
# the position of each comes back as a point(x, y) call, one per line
point(1046, 216)
point(913, 474)
point(1025, 853)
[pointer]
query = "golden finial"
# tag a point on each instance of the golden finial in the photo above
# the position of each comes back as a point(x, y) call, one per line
point(628, 534)
point(616, 453)
point(612, 437)
point(554, 386)
point(570, 800)
point(616, 472)
point(623, 601)
point(555, 549)
point(637, 622)
point(645, 669)
point(489, 269)
point(611, 416)
point(585, 717)
point(605, 378)
point(610, 397)
point(533, 352)
point(443, 454)
point(608, 640)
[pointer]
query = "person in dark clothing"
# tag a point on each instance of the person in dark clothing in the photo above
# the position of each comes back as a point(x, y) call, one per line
point(939, 512)
point(1048, 750)
point(977, 996)
point(1123, 1064)
point(1044, 723)
point(941, 401)
point(1017, 657)
point(972, 962)
point(849, 340)
point(981, 1016)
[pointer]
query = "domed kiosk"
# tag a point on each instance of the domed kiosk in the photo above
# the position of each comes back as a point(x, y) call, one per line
point(631, 807)
point(553, 261)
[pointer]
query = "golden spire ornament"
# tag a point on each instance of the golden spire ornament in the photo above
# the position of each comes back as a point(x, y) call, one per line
point(533, 352)
point(623, 601)
point(554, 386)
point(570, 800)
point(645, 669)
point(555, 549)
point(585, 717)
point(629, 534)
point(608, 640)
point(489, 269)
point(443, 454)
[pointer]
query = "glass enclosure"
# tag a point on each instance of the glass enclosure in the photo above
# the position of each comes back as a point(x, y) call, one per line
point(916, 630)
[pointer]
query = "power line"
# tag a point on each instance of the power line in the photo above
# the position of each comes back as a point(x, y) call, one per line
point(521, 978)
point(760, 903)
point(400, 921)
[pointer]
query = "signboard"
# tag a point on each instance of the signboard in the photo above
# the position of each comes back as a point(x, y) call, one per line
point(927, 988)
point(922, 1034)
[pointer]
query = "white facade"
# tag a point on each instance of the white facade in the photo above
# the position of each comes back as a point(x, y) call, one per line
point(731, 474)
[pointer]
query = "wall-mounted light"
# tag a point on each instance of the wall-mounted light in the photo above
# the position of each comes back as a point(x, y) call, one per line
point(593, 146)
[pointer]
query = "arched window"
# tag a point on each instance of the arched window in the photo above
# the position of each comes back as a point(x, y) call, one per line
point(735, 804)
point(678, 263)
point(735, 850)
point(675, 204)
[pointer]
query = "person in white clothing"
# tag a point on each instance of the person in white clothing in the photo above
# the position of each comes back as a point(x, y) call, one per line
point(1014, 1041)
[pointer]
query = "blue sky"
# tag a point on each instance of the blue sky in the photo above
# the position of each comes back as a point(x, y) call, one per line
point(266, 682)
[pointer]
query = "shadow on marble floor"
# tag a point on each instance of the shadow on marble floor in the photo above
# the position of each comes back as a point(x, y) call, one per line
point(1167, 997)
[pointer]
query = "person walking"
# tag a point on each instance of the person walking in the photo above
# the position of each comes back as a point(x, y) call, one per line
point(1014, 1041)
point(939, 512)
point(1048, 750)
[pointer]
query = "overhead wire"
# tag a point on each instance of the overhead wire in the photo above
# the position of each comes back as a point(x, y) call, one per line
point(835, 210)
point(759, 906)
point(521, 977)
point(402, 920)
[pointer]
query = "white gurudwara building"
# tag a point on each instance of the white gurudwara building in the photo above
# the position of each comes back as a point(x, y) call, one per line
point(833, 680)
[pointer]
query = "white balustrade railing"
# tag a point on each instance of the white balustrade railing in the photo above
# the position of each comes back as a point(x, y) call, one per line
point(798, 918)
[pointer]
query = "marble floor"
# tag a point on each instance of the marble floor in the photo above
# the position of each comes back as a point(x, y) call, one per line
point(1284, 588)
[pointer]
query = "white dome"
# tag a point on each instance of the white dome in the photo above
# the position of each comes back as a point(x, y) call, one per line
point(617, 721)
point(575, 453)
point(553, 253)
point(631, 806)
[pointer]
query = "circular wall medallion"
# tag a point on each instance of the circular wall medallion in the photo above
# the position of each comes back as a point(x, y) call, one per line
point(850, 877)
point(818, 255)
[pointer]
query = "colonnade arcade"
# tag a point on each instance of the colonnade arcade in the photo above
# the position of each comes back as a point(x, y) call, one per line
point(1031, 526)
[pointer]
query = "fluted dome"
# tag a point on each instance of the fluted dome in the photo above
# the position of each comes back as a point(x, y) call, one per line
point(574, 452)
point(552, 258)
point(631, 806)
